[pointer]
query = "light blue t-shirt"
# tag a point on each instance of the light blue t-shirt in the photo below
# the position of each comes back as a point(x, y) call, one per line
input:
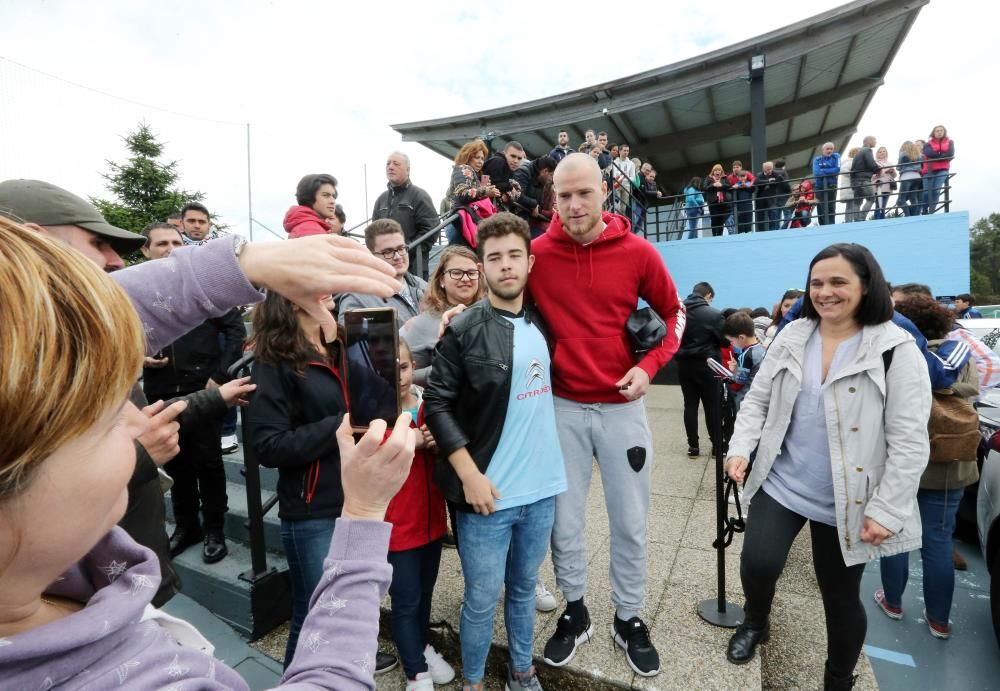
point(801, 479)
point(527, 465)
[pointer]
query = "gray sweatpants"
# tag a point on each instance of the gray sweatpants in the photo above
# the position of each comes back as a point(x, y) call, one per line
point(613, 433)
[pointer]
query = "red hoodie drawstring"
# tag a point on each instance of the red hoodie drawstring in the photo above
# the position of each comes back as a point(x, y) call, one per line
point(312, 482)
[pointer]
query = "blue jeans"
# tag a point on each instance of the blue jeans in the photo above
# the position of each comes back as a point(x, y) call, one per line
point(911, 196)
point(504, 548)
point(306, 543)
point(693, 214)
point(937, 518)
point(933, 182)
point(414, 573)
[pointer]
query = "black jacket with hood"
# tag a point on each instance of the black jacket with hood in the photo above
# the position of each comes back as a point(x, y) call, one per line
point(703, 332)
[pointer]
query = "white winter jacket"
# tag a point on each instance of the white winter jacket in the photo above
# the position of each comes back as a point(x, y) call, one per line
point(876, 424)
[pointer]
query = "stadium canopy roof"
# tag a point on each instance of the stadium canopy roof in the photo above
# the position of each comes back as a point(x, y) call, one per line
point(820, 76)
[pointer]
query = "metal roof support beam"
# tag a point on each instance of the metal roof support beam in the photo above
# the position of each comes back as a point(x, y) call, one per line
point(738, 125)
point(758, 113)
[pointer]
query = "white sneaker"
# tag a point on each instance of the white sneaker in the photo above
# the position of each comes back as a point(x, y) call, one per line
point(229, 443)
point(544, 600)
point(422, 681)
point(440, 671)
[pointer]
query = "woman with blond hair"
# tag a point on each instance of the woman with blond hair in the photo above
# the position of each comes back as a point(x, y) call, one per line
point(74, 594)
point(455, 281)
point(717, 196)
point(466, 187)
point(852, 205)
point(910, 183)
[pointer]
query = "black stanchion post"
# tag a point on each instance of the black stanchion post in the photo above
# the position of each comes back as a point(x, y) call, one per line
point(718, 611)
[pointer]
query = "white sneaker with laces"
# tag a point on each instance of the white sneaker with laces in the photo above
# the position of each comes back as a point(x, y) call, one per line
point(229, 443)
point(440, 671)
point(544, 600)
point(422, 681)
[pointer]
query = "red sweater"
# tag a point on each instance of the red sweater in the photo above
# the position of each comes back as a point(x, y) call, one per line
point(586, 294)
point(303, 220)
point(417, 512)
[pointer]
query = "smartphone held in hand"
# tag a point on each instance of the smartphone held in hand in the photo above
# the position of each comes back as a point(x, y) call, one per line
point(372, 366)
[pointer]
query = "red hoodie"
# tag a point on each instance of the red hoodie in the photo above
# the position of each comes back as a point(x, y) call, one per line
point(303, 220)
point(586, 294)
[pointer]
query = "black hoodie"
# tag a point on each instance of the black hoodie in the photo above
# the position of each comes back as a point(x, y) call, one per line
point(703, 333)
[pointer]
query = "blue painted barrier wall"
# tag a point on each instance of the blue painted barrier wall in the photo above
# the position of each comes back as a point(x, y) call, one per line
point(753, 270)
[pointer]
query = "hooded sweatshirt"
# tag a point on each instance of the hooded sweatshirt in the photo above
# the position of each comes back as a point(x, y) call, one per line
point(116, 642)
point(586, 294)
point(303, 220)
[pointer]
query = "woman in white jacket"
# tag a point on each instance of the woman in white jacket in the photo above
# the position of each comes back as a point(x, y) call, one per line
point(837, 415)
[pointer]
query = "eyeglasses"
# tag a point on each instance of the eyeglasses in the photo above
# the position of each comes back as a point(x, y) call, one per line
point(391, 254)
point(459, 274)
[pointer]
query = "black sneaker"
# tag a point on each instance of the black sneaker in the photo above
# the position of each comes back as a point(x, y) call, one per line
point(385, 662)
point(633, 637)
point(693, 452)
point(570, 633)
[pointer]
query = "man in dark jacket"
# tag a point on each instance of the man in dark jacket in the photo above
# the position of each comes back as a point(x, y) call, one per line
point(863, 167)
point(702, 339)
point(198, 360)
point(768, 187)
point(500, 168)
point(411, 207)
point(562, 149)
point(533, 176)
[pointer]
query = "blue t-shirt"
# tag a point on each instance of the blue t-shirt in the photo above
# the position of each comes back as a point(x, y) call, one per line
point(527, 465)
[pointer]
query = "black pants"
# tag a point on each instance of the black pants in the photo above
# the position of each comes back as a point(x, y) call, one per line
point(698, 384)
point(771, 529)
point(719, 213)
point(414, 573)
point(199, 475)
point(827, 207)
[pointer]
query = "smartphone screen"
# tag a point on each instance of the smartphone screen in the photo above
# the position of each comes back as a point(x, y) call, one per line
point(372, 346)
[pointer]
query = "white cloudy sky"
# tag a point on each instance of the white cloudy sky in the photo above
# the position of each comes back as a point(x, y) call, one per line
point(320, 82)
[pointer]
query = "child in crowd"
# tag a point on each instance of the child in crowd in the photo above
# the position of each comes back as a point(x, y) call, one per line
point(748, 353)
point(805, 200)
point(417, 514)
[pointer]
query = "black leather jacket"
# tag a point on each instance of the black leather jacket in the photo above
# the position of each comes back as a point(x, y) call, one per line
point(465, 402)
point(197, 357)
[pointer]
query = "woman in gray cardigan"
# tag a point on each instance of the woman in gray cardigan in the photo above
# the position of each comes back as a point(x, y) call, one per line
point(838, 417)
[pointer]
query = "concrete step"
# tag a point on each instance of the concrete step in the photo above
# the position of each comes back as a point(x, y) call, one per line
point(237, 517)
point(234, 471)
point(251, 606)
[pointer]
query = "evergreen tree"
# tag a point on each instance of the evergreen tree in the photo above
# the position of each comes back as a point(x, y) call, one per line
point(144, 187)
point(984, 256)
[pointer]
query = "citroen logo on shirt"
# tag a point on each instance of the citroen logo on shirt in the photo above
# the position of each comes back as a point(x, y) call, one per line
point(534, 381)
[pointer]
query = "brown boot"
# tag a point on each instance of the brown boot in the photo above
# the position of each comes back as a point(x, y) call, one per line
point(959, 560)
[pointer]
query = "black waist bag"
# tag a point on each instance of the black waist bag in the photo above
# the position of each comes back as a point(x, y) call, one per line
point(646, 329)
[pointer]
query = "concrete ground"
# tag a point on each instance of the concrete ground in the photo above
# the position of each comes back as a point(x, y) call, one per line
point(682, 572)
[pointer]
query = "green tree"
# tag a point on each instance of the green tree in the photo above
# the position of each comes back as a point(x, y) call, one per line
point(144, 187)
point(984, 256)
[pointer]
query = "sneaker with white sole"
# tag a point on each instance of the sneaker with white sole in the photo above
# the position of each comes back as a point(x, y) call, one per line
point(633, 637)
point(229, 443)
point(421, 681)
point(545, 601)
point(441, 672)
point(570, 633)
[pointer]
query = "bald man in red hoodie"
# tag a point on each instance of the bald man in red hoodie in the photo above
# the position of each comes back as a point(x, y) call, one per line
point(589, 275)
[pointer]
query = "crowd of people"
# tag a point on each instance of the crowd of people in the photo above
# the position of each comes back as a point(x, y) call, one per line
point(863, 179)
point(512, 381)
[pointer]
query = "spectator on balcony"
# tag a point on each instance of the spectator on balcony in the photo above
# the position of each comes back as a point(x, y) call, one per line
point(718, 195)
point(910, 185)
point(805, 200)
point(742, 183)
point(623, 174)
point(316, 196)
point(851, 205)
point(826, 167)
point(779, 201)
point(863, 169)
point(884, 180)
point(466, 187)
point(768, 187)
point(499, 170)
point(562, 149)
point(411, 207)
point(938, 152)
point(694, 206)
point(589, 142)
point(533, 176)
point(607, 151)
